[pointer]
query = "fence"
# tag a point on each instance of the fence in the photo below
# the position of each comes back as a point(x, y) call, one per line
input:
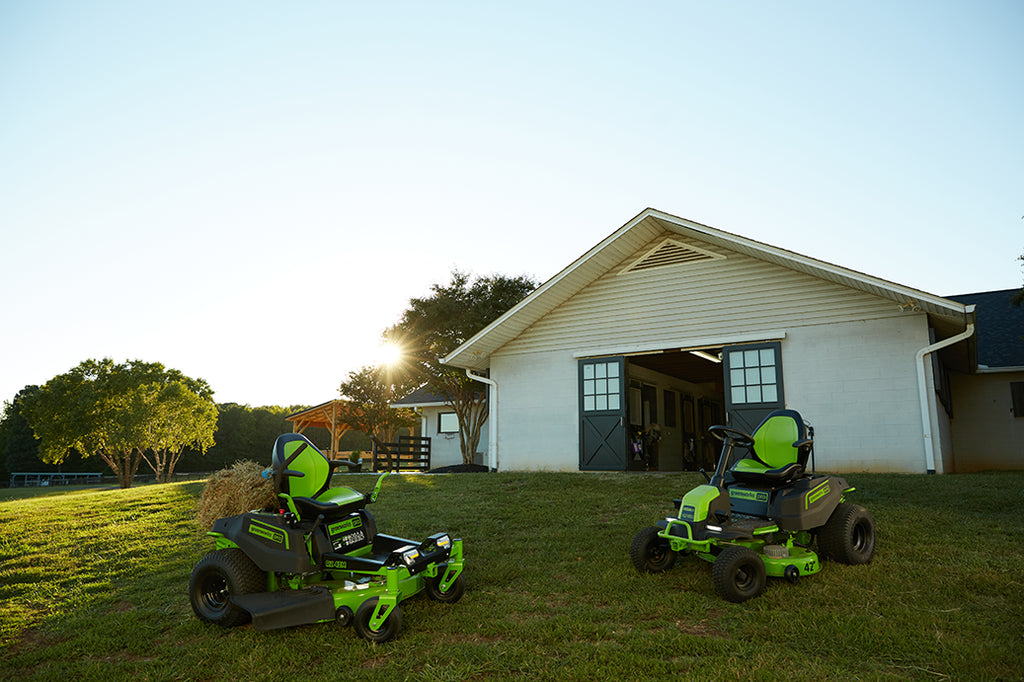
point(30, 479)
point(410, 453)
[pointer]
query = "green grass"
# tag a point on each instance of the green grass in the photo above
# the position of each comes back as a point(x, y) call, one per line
point(93, 586)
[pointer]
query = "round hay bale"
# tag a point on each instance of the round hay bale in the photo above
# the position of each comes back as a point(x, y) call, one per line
point(235, 490)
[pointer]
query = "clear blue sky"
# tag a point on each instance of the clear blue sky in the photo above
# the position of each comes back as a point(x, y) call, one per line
point(251, 191)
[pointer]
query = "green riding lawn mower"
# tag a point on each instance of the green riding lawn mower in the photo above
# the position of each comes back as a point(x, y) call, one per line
point(760, 516)
point(318, 557)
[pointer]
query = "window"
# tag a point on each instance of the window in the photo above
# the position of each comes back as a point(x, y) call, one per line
point(752, 376)
point(602, 386)
point(1017, 395)
point(447, 422)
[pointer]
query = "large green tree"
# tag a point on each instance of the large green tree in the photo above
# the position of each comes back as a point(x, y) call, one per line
point(180, 413)
point(123, 413)
point(435, 325)
point(370, 392)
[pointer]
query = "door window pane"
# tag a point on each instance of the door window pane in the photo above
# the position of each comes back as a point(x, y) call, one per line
point(601, 386)
point(753, 377)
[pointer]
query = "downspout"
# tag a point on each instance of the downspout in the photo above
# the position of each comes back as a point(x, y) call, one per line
point(492, 416)
point(926, 417)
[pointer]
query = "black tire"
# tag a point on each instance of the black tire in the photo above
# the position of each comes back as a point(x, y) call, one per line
point(217, 577)
point(738, 574)
point(849, 535)
point(388, 630)
point(651, 554)
point(454, 593)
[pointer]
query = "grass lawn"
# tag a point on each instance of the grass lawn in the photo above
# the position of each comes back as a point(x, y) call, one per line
point(93, 587)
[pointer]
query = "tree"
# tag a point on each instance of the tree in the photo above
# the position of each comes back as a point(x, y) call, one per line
point(434, 326)
point(19, 448)
point(181, 413)
point(119, 411)
point(371, 390)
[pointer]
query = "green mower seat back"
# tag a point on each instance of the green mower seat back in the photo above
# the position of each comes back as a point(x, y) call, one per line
point(779, 453)
point(304, 473)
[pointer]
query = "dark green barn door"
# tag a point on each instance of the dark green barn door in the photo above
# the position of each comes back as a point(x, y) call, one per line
point(602, 390)
point(753, 383)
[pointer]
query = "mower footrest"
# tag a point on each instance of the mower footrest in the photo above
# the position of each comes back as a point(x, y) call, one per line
point(287, 608)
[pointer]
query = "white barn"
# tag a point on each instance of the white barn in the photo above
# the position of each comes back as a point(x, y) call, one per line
point(668, 326)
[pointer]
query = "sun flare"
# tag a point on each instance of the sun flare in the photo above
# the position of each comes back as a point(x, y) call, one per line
point(389, 354)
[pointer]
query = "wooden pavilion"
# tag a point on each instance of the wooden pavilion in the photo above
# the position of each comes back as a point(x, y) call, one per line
point(334, 415)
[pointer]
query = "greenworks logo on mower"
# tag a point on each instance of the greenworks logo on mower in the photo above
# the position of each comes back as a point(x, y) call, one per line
point(755, 495)
point(271, 534)
point(348, 524)
point(816, 494)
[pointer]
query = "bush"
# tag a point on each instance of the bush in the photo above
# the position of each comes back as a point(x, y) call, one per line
point(234, 490)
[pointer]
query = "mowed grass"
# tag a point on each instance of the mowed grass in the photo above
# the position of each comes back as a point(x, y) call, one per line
point(93, 586)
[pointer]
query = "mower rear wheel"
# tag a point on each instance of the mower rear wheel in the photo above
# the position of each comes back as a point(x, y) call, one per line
point(849, 535)
point(649, 553)
point(454, 593)
point(219, 576)
point(387, 631)
point(738, 574)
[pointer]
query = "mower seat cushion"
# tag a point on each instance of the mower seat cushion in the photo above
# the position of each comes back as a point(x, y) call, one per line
point(331, 506)
point(752, 471)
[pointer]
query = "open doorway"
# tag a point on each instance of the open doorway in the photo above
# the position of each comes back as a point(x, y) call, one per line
point(674, 396)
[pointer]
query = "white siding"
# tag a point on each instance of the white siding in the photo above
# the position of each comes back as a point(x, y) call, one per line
point(444, 447)
point(669, 305)
point(538, 426)
point(856, 383)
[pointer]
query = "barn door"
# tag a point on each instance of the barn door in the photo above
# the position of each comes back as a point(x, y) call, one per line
point(602, 390)
point(753, 383)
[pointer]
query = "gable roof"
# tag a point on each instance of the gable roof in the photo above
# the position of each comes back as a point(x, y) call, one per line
point(948, 316)
point(1000, 328)
point(422, 397)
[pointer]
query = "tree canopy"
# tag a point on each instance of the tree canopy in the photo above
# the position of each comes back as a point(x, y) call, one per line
point(435, 325)
point(371, 390)
point(123, 413)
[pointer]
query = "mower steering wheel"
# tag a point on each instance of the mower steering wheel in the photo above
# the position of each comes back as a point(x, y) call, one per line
point(724, 433)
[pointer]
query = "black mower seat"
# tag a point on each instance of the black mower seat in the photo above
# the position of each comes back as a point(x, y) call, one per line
point(779, 452)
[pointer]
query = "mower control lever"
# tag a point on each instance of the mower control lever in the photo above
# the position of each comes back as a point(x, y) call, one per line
point(316, 524)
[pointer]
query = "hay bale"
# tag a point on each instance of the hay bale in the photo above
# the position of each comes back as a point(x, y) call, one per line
point(235, 490)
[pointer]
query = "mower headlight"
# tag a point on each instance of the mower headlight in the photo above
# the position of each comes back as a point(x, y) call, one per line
point(714, 529)
point(443, 541)
point(410, 556)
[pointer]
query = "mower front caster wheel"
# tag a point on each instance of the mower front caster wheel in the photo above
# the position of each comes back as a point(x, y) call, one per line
point(452, 595)
point(392, 624)
point(738, 574)
point(649, 553)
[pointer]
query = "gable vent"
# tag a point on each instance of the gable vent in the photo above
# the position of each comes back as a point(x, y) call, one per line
point(670, 252)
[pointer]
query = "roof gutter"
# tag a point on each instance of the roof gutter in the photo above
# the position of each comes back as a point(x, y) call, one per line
point(922, 386)
point(492, 417)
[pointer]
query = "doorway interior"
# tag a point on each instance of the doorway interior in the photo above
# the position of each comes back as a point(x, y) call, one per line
point(673, 397)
